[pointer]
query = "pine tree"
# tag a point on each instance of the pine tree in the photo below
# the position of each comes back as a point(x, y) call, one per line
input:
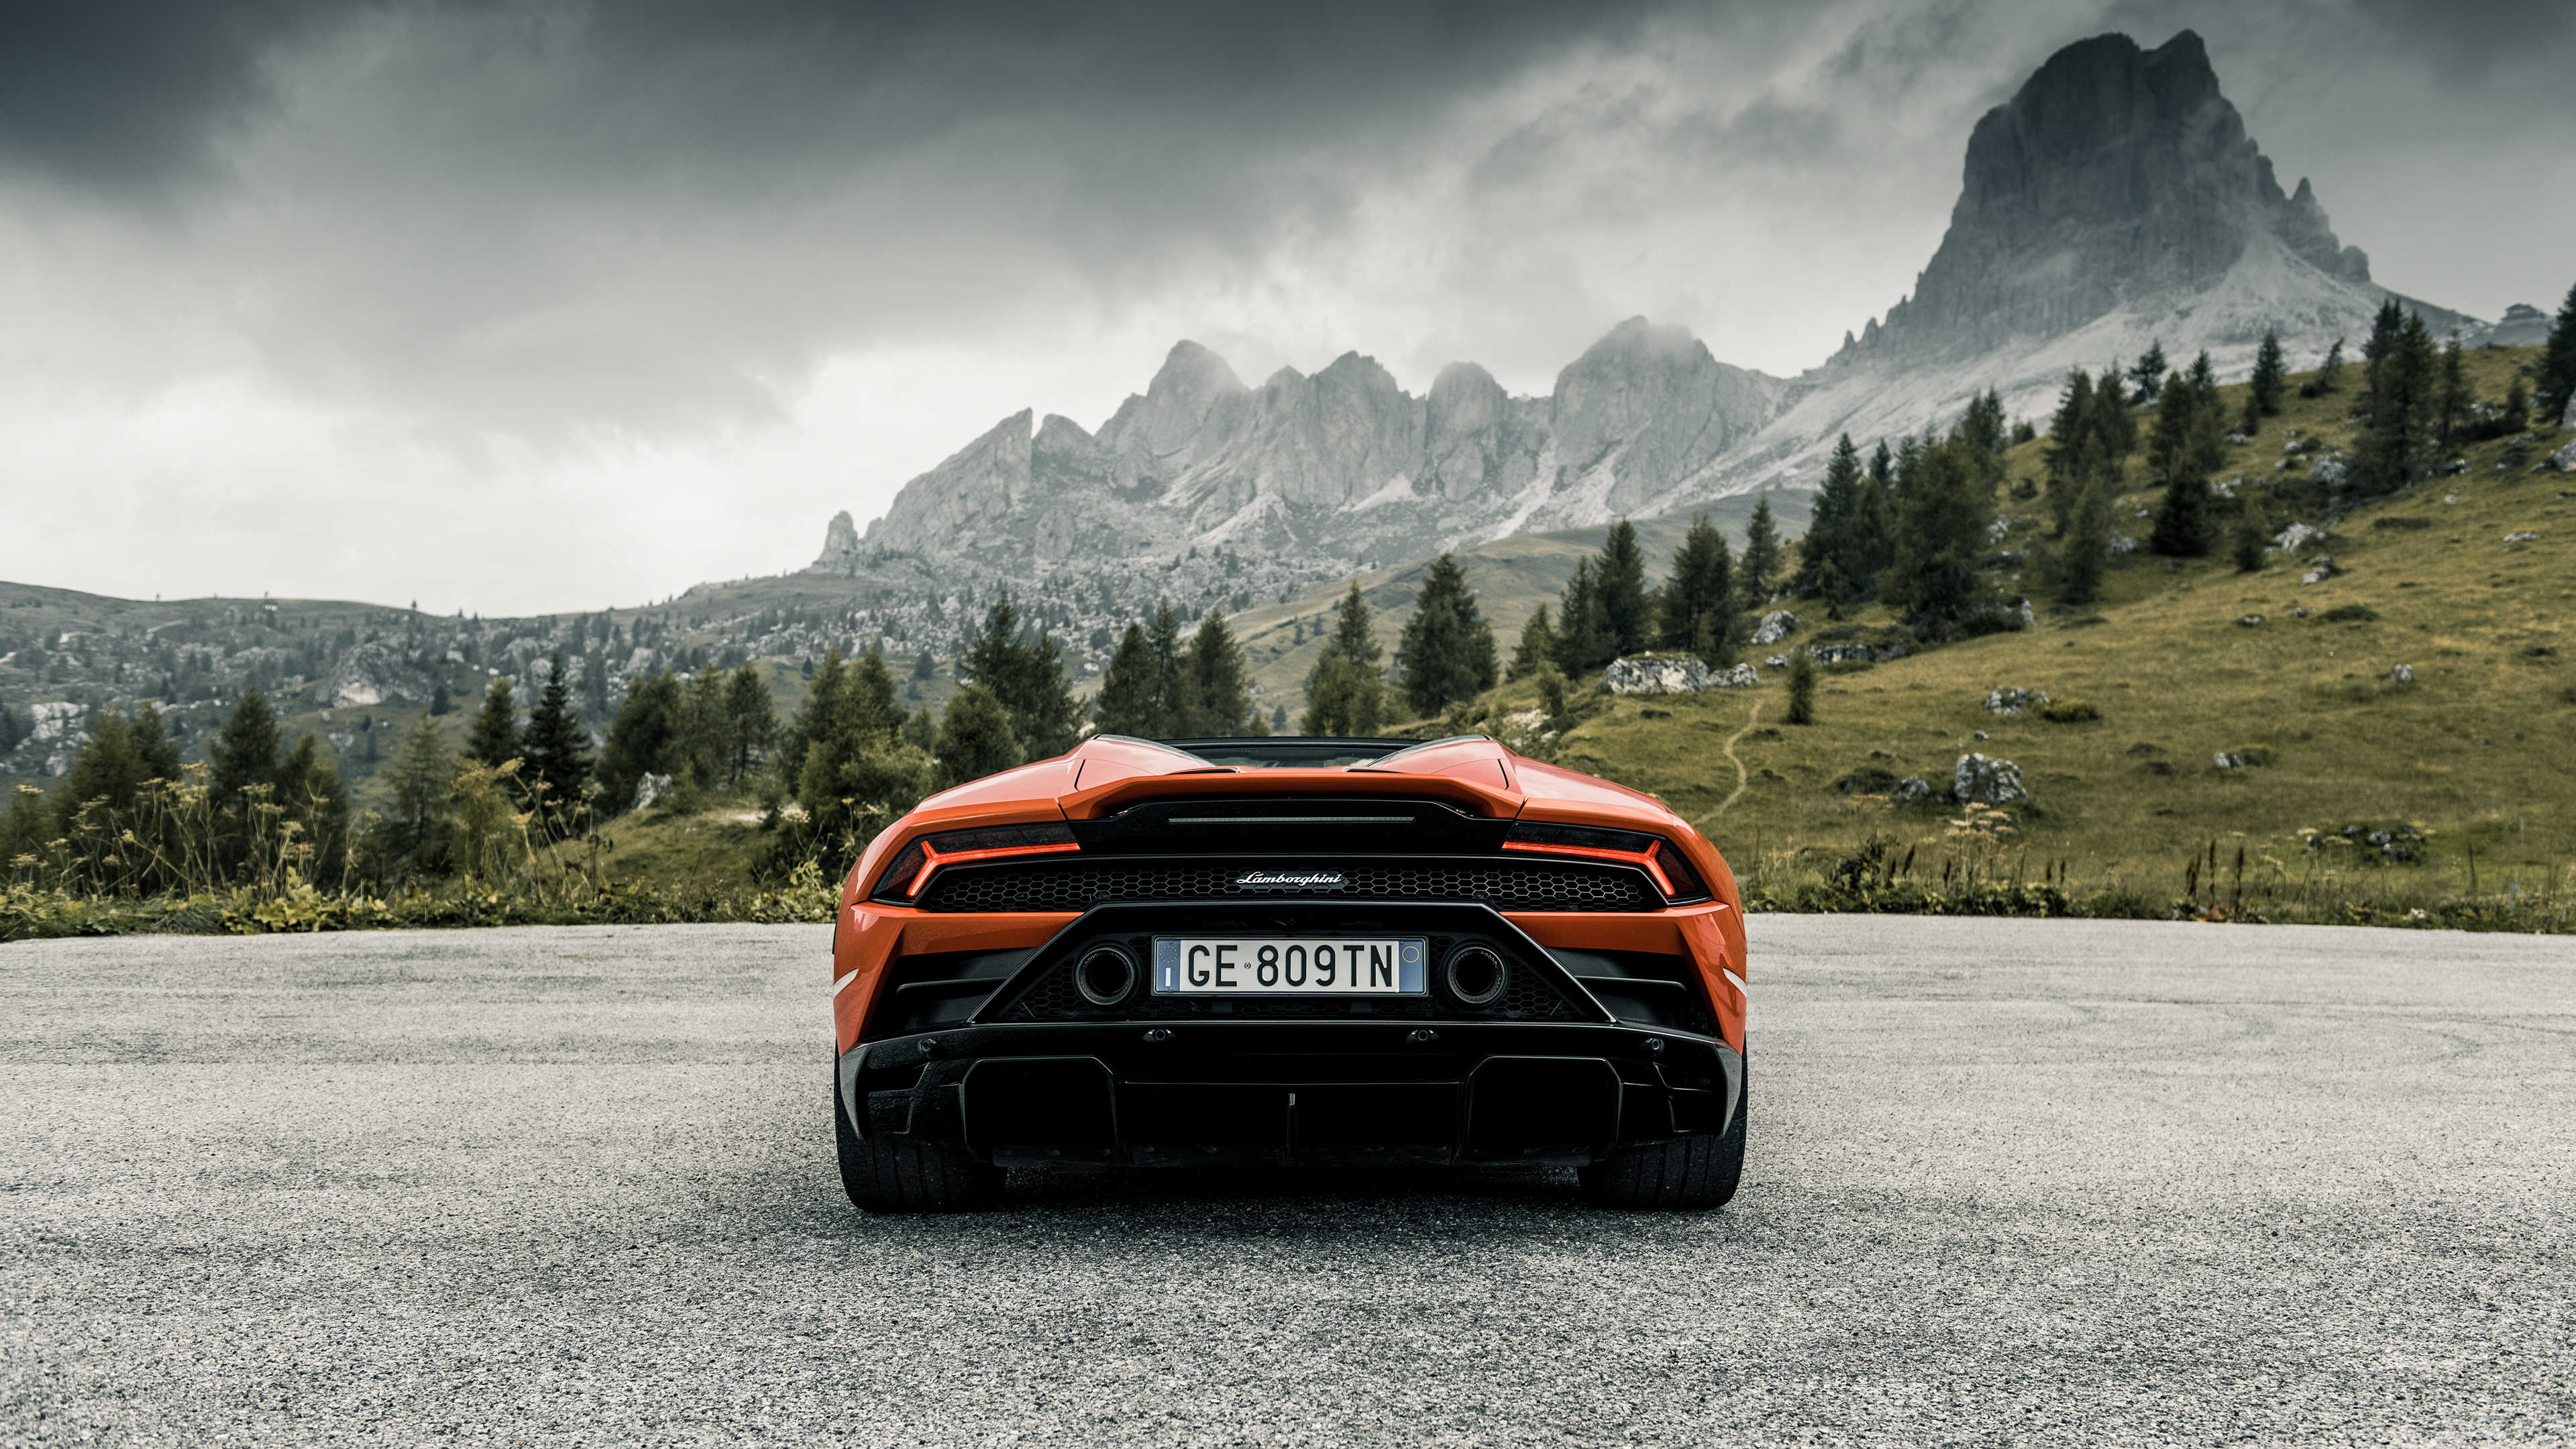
point(2557, 370)
point(1802, 687)
point(1537, 647)
point(813, 720)
point(1447, 649)
point(1026, 676)
point(924, 667)
point(1698, 601)
point(751, 719)
point(2330, 372)
point(2183, 521)
point(423, 771)
point(2396, 444)
point(2452, 400)
point(245, 752)
point(1829, 528)
point(1584, 641)
point(644, 739)
point(2246, 544)
point(1173, 704)
point(2072, 439)
point(1872, 547)
point(2263, 398)
point(123, 754)
point(1760, 567)
point(1220, 685)
point(556, 749)
point(1346, 697)
point(975, 738)
point(1620, 579)
point(1946, 509)
point(439, 703)
point(2087, 546)
point(1128, 703)
point(494, 735)
point(2147, 375)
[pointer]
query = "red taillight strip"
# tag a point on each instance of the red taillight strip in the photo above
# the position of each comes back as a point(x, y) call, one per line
point(1644, 859)
point(932, 860)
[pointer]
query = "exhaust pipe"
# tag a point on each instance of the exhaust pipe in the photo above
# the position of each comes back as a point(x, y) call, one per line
point(1476, 976)
point(1104, 976)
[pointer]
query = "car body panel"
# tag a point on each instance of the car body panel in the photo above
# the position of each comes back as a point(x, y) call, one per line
point(1477, 778)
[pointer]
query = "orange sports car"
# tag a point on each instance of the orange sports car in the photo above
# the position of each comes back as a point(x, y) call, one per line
point(1294, 951)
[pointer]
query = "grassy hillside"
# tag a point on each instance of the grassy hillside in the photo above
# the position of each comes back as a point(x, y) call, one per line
point(2478, 752)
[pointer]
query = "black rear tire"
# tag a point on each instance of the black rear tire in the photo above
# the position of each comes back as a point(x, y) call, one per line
point(898, 1175)
point(1686, 1172)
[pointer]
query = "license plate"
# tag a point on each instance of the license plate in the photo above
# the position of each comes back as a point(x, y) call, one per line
point(1288, 966)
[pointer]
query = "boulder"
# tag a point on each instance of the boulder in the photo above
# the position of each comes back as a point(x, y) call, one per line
point(2330, 471)
point(2249, 621)
point(2320, 568)
point(1983, 780)
point(2402, 674)
point(649, 789)
point(1738, 676)
point(2013, 701)
point(1655, 676)
point(1775, 661)
point(2121, 545)
point(2564, 460)
point(1915, 790)
point(374, 673)
point(1777, 625)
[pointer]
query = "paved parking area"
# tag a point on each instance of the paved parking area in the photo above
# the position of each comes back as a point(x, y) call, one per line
point(2010, 1182)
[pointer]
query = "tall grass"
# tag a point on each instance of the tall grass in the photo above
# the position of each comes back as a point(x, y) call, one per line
point(170, 861)
point(1977, 870)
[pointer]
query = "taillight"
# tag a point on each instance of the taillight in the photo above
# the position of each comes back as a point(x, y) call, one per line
point(916, 863)
point(1668, 867)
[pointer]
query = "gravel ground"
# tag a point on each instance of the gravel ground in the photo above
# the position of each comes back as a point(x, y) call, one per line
point(2012, 1181)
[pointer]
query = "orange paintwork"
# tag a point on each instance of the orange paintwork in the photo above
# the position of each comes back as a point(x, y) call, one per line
point(1102, 777)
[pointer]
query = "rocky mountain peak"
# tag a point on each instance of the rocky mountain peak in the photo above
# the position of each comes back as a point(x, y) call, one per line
point(2114, 174)
point(840, 540)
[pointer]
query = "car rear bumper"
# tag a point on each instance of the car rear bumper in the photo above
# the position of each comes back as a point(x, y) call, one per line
point(1075, 1096)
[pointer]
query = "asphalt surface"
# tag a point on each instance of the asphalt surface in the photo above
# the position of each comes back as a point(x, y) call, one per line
point(2010, 1182)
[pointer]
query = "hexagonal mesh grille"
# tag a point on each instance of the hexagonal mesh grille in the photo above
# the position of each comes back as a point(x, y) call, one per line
point(1506, 885)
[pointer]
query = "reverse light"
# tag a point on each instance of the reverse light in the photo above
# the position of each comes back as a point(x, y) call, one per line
point(1669, 869)
point(918, 862)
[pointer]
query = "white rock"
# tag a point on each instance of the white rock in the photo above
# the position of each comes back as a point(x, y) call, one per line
point(1775, 661)
point(1980, 779)
point(1776, 626)
point(2121, 545)
point(2013, 701)
point(2329, 471)
point(2297, 536)
point(2564, 460)
point(2402, 674)
point(2522, 538)
point(1655, 676)
point(650, 789)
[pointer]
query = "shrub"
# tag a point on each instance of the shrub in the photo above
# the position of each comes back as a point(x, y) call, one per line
point(2349, 614)
point(1802, 688)
point(2070, 711)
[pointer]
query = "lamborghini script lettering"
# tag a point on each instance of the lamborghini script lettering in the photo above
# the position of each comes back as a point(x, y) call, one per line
point(1260, 880)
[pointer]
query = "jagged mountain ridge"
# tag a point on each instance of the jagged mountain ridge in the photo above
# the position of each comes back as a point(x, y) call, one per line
point(1341, 467)
point(2114, 202)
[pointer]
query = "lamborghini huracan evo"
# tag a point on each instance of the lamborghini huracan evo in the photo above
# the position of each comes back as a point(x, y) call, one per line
point(1292, 951)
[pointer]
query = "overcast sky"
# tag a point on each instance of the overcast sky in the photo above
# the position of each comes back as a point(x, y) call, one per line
point(526, 306)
